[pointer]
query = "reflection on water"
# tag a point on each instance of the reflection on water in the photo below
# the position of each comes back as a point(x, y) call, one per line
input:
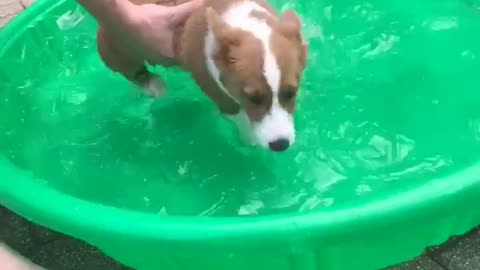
point(389, 101)
point(71, 18)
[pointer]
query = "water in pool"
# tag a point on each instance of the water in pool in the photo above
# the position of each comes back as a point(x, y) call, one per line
point(389, 101)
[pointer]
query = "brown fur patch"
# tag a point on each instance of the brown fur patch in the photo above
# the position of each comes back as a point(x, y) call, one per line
point(241, 58)
point(262, 16)
point(290, 52)
point(191, 55)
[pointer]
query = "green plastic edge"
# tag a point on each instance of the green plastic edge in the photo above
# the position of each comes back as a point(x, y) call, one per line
point(442, 191)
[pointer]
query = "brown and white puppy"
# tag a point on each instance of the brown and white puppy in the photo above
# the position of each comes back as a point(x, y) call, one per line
point(249, 61)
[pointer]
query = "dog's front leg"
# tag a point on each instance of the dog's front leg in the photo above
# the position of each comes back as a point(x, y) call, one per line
point(244, 127)
point(132, 68)
point(152, 84)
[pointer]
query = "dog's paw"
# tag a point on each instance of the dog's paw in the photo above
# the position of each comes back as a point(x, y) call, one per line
point(154, 87)
point(244, 128)
point(151, 84)
point(248, 139)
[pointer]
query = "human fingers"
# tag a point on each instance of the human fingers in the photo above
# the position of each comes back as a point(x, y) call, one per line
point(179, 14)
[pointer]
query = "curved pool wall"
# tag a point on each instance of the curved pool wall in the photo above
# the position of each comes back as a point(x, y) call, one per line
point(393, 225)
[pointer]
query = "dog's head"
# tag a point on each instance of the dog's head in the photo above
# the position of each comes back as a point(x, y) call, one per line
point(261, 57)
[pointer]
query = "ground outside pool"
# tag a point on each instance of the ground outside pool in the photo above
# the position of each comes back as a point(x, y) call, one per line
point(386, 161)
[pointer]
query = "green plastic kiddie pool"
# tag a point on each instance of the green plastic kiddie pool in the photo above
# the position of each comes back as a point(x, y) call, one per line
point(386, 161)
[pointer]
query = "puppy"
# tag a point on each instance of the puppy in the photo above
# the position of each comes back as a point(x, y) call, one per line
point(246, 58)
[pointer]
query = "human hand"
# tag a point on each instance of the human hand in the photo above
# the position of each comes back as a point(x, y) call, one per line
point(147, 34)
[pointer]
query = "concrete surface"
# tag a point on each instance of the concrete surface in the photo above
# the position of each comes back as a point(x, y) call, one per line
point(58, 252)
point(8, 9)
point(51, 250)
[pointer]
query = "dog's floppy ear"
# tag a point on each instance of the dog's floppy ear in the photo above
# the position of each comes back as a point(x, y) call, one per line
point(290, 24)
point(225, 35)
point(228, 39)
point(291, 27)
point(304, 53)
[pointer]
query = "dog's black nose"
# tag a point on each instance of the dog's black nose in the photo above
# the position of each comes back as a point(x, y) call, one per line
point(279, 145)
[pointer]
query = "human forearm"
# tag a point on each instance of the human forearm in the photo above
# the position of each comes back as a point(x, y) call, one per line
point(108, 12)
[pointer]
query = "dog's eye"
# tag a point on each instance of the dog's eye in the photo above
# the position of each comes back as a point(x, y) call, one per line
point(255, 99)
point(288, 94)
